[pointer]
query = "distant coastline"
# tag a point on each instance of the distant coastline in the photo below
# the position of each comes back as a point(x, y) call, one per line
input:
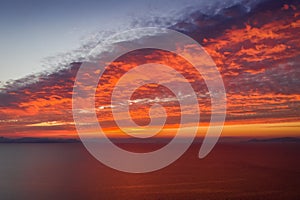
point(276, 140)
point(149, 140)
point(37, 140)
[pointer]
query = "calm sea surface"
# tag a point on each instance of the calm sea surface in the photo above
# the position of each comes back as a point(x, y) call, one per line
point(231, 171)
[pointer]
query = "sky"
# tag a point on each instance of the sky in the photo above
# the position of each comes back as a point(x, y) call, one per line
point(32, 30)
point(255, 46)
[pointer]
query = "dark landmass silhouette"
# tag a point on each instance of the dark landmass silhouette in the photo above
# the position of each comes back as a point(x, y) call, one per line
point(37, 140)
point(147, 140)
point(280, 139)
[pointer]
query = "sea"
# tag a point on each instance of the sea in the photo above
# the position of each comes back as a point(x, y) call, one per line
point(241, 170)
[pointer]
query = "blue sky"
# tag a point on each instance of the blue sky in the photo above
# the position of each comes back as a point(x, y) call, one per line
point(33, 30)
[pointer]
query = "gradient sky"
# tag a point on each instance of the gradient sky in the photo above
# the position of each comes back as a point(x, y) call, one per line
point(254, 45)
point(32, 30)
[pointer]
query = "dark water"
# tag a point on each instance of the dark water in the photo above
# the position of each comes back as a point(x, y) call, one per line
point(231, 171)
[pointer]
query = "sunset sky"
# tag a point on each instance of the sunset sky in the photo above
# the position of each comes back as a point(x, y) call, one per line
point(255, 45)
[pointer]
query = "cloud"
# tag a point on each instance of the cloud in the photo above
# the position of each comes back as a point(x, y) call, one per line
point(254, 45)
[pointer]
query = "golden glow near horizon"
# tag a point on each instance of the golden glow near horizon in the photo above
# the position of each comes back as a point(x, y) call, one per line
point(245, 130)
point(278, 129)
